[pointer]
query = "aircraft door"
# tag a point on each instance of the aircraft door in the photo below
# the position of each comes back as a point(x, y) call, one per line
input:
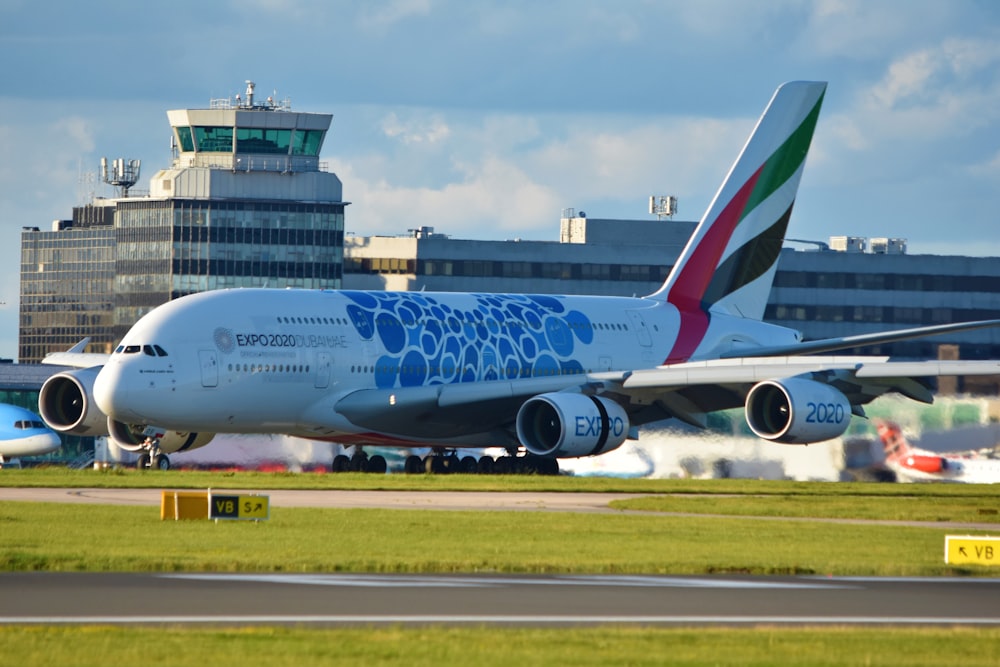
point(324, 363)
point(209, 368)
point(641, 328)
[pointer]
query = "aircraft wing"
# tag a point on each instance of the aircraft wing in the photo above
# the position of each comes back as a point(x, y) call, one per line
point(76, 357)
point(689, 391)
point(861, 340)
point(686, 391)
point(446, 410)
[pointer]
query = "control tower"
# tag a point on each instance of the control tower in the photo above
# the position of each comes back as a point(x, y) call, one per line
point(245, 202)
point(239, 147)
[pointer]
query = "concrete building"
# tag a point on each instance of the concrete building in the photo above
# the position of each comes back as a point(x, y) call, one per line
point(245, 203)
point(821, 291)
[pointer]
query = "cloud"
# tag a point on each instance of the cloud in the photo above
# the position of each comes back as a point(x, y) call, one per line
point(431, 130)
point(493, 197)
point(514, 173)
point(382, 15)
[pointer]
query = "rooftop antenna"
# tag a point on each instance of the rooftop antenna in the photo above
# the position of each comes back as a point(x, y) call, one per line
point(123, 175)
point(250, 86)
point(663, 206)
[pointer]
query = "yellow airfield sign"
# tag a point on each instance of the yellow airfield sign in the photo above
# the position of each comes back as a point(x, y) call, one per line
point(248, 507)
point(208, 505)
point(972, 550)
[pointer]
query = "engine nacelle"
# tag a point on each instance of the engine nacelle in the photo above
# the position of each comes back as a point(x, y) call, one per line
point(565, 425)
point(66, 403)
point(131, 436)
point(797, 411)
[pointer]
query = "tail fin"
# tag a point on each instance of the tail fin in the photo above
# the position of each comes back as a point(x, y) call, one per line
point(893, 443)
point(729, 263)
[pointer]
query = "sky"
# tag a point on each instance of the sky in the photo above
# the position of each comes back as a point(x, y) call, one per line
point(486, 119)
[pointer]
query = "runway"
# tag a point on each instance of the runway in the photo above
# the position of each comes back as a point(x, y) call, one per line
point(351, 599)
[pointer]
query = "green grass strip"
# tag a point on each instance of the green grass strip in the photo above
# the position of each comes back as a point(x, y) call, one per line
point(488, 646)
point(178, 479)
point(110, 538)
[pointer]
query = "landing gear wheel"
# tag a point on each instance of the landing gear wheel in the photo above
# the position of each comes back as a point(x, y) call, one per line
point(377, 465)
point(549, 467)
point(435, 465)
point(359, 463)
point(143, 461)
point(484, 466)
point(468, 465)
point(340, 463)
point(161, 462)
point(413, 465)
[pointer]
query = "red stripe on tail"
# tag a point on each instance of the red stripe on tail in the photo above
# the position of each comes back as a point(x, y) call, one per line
point(696, 274)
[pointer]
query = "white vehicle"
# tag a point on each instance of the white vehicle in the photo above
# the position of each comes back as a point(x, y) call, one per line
point(22, 433)
point(552, 376)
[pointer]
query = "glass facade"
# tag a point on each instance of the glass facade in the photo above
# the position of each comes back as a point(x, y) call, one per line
point(175, 247)
point(249, 140)
point(99, 281)
point(66, 286)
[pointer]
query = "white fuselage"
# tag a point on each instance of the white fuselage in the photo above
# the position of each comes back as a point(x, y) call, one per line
point(963, 469)
point(278, 361)
point(22, 433)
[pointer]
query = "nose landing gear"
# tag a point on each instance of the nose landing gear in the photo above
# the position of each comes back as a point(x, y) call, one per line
point(152, 457)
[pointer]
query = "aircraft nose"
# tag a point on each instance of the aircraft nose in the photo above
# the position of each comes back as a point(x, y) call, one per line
point(111, 392)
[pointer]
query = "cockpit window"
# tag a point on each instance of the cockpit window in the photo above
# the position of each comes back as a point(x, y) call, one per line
point(132, 349)
point(160, 351)
point(148, 350)
point(118, 350)
point(28, 424)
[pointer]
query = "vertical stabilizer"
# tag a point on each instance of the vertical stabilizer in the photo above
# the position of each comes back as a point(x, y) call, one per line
point(729, 263)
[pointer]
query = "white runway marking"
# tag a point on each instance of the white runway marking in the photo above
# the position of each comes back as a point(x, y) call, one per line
point(486, 619)
point(402, 581)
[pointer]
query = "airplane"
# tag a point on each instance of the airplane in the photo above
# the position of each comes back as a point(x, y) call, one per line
point(919, 465)
point(23, 433)
point(545, 376)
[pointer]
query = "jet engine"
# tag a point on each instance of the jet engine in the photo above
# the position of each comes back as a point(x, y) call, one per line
point(797, 411)
point(130, 437)
point(66, 403)
point(565, 425)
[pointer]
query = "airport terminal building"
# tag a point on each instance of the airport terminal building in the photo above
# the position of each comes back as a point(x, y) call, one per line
point(843, 287)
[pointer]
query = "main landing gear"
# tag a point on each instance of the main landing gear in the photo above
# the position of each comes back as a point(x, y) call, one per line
point(360, 462)
point(450, 462)
point(152, 457)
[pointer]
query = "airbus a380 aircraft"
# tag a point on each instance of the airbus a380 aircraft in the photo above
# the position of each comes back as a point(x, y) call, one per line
point(559, 376)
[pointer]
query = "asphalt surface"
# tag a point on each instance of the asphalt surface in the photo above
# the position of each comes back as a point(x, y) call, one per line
point(337, 599)
point(345, 599)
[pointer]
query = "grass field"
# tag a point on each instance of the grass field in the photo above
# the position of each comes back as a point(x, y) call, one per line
point(58, 537)
point(488, 646)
